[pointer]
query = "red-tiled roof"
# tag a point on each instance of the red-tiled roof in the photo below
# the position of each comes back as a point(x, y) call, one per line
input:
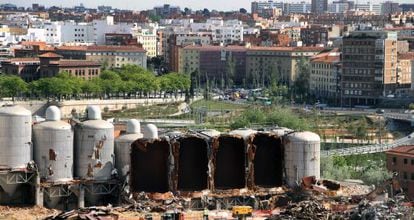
point(103, 48)
point(25, 59)
point(215, 48)
point(406, 56)
point(50, 55)
point(71, 48)
point(402, 150)
point(298, 49)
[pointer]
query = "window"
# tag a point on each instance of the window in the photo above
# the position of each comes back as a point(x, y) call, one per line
point(412, 176)
point(405, 161)
point(412, 161)
point(394, 160)
point(405, 175)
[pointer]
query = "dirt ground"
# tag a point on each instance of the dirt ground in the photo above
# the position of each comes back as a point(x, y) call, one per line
point(25, 213)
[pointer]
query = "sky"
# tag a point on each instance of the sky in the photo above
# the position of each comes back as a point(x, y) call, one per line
point(149, 4)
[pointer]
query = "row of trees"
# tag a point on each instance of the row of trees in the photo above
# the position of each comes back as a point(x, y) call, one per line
point(128, 81)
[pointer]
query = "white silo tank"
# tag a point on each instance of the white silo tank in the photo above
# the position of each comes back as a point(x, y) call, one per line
point(150, 131)
point(15, 136)
point(123, 147)
point(302, 156)
point(53, 147)
point(15, 142)
point(94, 147)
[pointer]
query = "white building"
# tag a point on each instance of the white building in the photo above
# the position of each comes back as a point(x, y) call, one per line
point(338, 7)
point(224, 32)
point(301, 7)
point(369, 7)
point(148, 38)
point(102, 27)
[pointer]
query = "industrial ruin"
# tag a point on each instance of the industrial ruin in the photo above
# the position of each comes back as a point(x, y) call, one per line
point(82, 163)
point(79, 164)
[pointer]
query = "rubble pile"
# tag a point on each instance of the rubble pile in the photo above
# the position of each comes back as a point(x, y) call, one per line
point(391, 209)
point(309, 209)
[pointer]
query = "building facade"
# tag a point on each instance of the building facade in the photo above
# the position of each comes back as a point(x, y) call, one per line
point(404, 74)
point(212, 63)
point(369, 67)
point(49, 65)
point(400, 160)
point(319, 6)
point(325, 76)
point(282, 61)
point(108, 56)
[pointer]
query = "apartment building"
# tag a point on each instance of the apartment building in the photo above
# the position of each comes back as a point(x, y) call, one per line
point(325, 76)
point(108, 56)
point(211, 62)
point(175, 42)
point(405, 67)
point(147, 37)
point(319, 6)
point(369, 69)
point(300, 7)
point(260, 61)
point(258, 6)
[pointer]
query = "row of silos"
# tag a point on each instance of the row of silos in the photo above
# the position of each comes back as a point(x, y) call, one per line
point(89, 153)
point(241, 158)
point(60, 151)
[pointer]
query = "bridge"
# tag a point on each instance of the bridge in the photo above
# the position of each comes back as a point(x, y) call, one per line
point(399, 116)
point(369, 149)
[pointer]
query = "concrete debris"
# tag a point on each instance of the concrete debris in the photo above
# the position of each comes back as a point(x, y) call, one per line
point(90, 213)
point(303, 210)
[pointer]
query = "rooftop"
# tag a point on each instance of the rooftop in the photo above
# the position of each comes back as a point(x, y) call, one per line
point(50, 55)
point(103, 48)
point(406, 56)
point(402, 150)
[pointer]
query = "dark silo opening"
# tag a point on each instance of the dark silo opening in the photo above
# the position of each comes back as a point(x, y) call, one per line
point(192, 164)
point(230, 163)
point(268, 161)
point(149, 166)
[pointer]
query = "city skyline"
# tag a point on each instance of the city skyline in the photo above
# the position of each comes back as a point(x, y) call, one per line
point(230, 5)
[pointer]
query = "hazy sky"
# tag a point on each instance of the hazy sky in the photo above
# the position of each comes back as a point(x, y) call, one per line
point(148, 4)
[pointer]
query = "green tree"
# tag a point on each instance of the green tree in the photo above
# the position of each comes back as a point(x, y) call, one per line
point(12, 86)
point(301, 84)
point(92, 87)
point(230, 71)
point(110, 82)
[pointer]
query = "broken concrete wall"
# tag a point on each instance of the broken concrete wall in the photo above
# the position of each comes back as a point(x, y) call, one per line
point(150, 165)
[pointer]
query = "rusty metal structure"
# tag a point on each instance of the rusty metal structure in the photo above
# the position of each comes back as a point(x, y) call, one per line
point(240, 167)
point(205, 169)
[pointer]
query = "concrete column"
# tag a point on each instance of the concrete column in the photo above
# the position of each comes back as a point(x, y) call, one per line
point(81, 198)
point(39, 192)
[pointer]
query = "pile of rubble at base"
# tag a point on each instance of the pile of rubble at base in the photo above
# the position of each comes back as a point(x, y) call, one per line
point(315, 199)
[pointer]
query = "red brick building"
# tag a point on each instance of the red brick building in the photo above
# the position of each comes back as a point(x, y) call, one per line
point(401, 160)
point(49, 65)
